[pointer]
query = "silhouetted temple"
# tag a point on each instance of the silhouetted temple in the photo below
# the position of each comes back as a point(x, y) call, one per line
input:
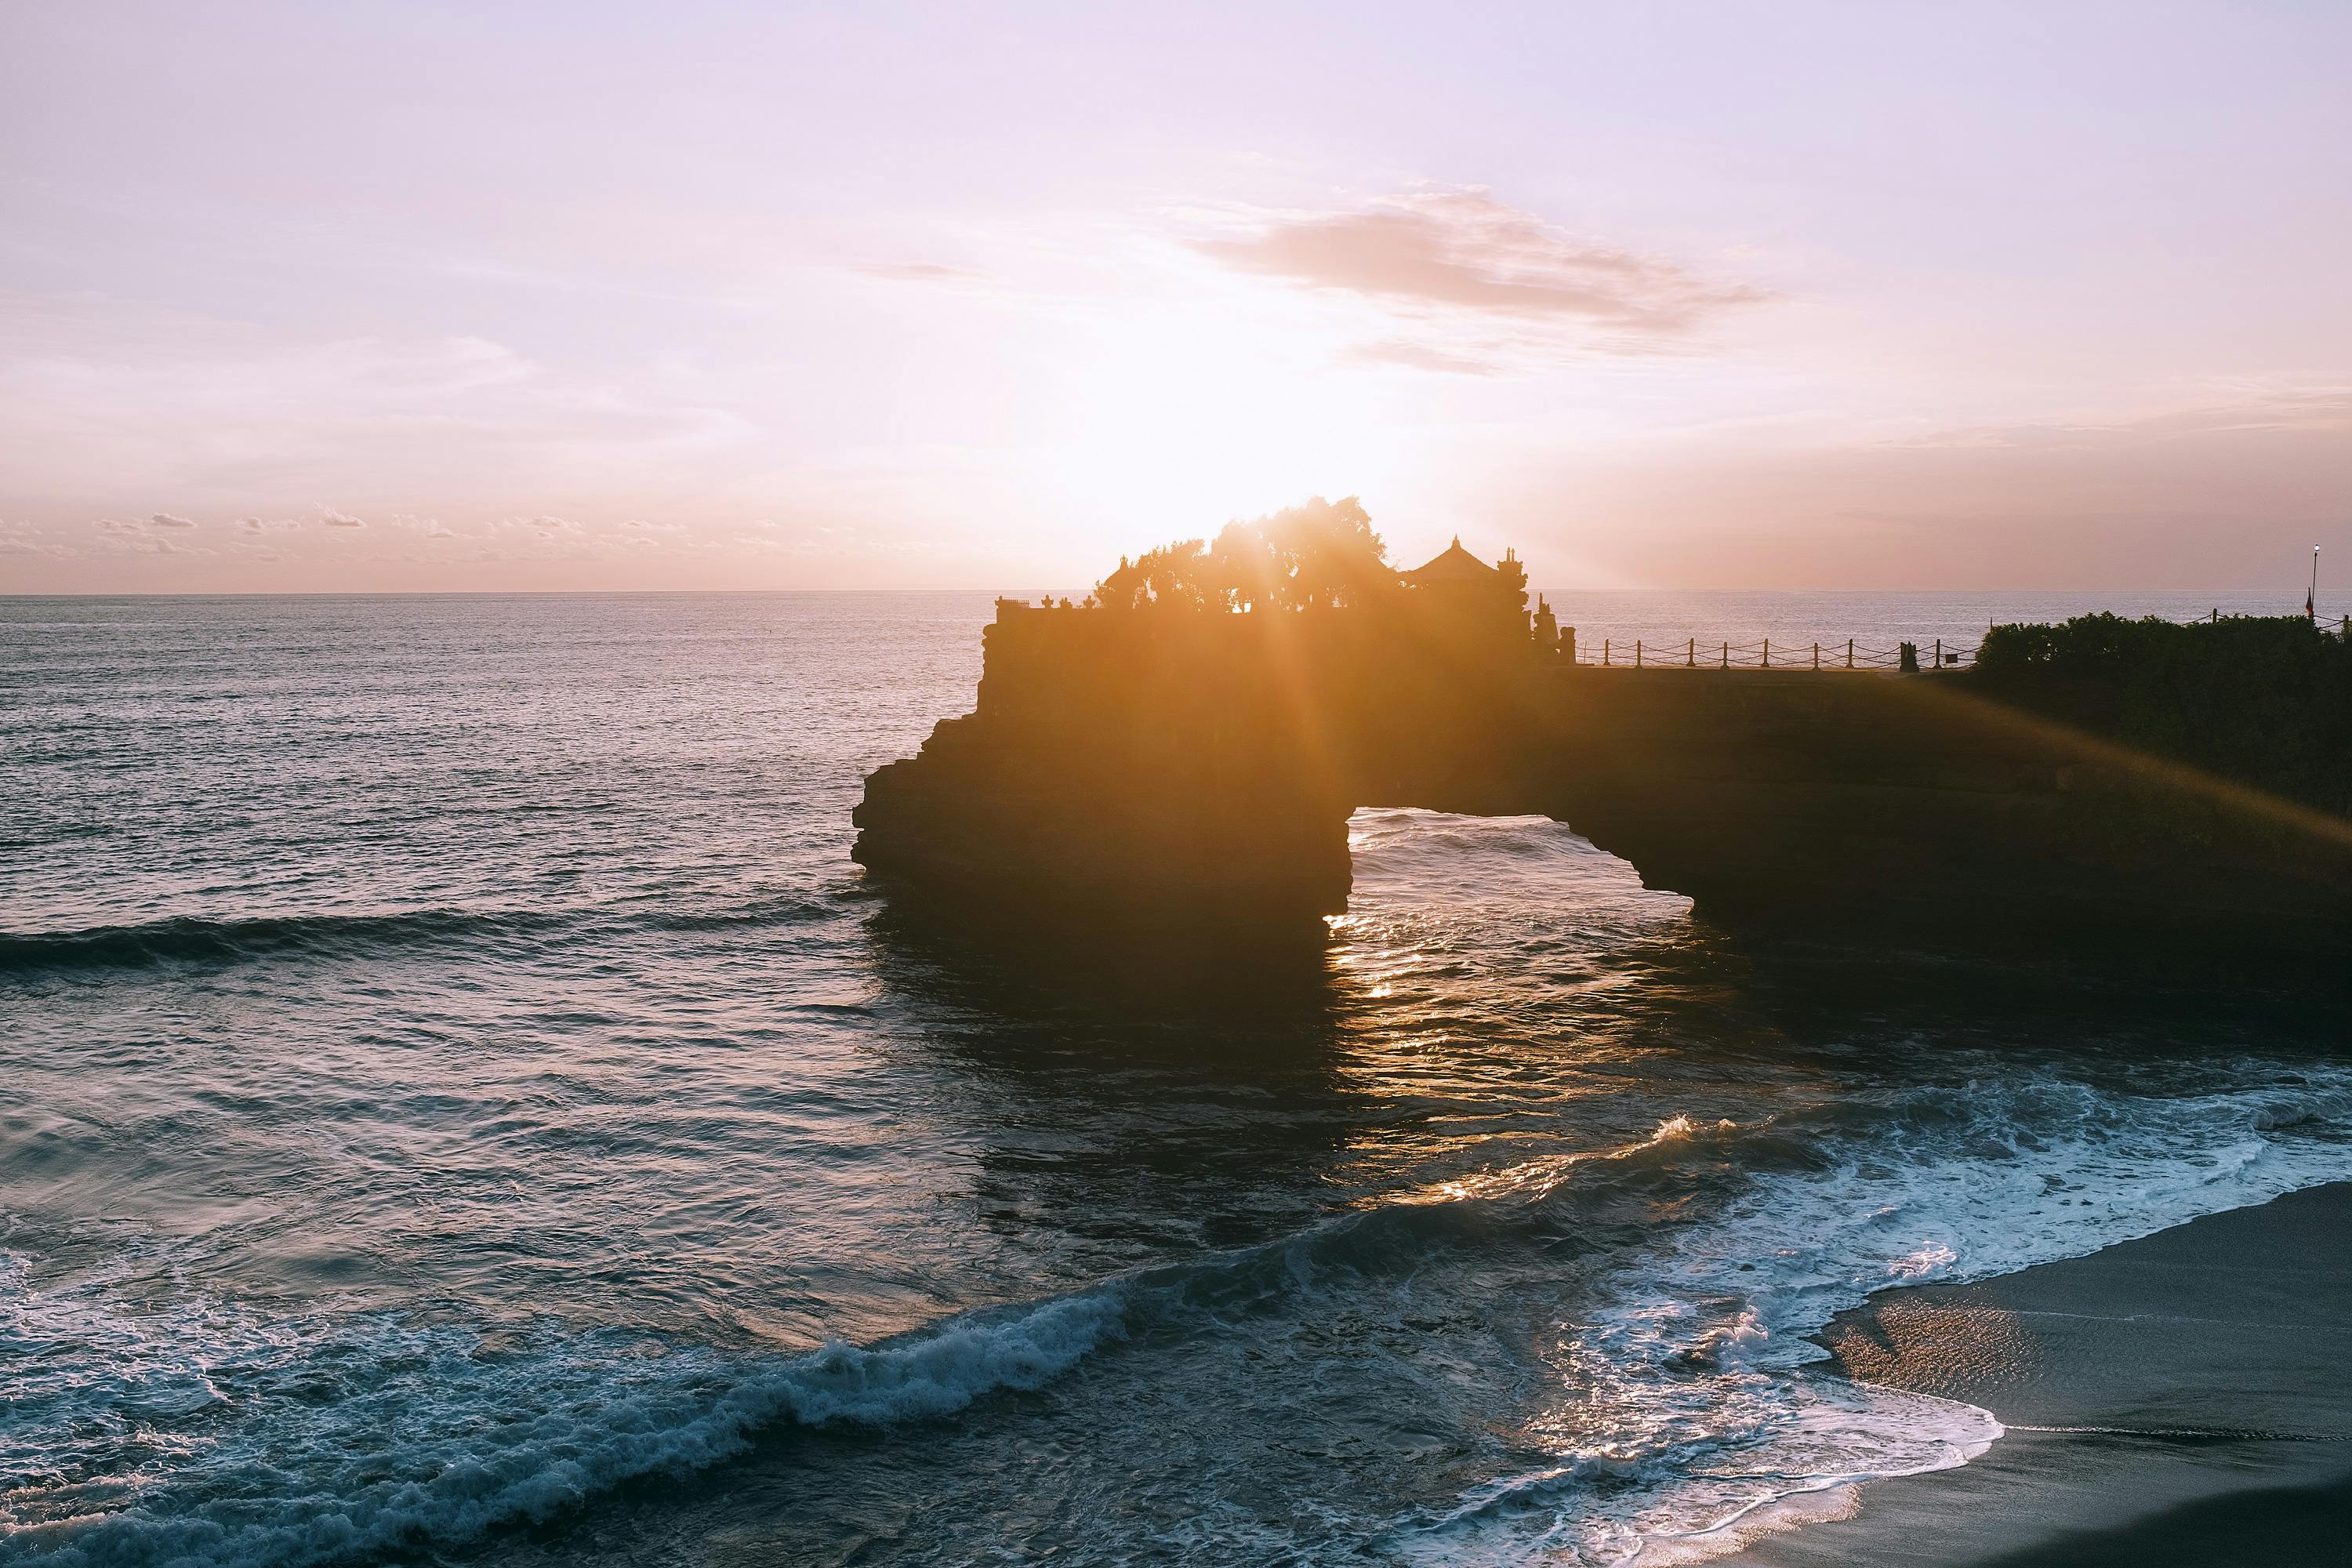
point(1457, 586)
point(1163, 759)
point(1457, 575)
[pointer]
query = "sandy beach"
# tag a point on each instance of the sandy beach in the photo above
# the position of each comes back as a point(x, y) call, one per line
point(2180, 1399)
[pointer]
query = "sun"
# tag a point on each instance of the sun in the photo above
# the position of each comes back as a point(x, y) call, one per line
point(1180, 416)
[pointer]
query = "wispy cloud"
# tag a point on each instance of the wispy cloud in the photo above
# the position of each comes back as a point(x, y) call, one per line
point(334, 518)
point(921, 272)
point(2295, 411)
point(21, 539)
point(1422, 356)
point(144, 534)
point(643, 534)
point(228, 414)
point(1463, 252)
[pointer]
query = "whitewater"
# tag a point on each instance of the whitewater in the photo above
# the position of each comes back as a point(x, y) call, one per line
point(457, 1099)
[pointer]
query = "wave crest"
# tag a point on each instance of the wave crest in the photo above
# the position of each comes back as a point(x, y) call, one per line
point(483, 1438)
point(194, 940)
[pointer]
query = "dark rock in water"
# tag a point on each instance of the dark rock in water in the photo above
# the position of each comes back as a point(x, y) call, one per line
point(1175, 767)
point(1161, 768)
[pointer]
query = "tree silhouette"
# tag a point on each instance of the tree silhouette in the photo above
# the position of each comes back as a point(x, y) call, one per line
point(1320, 555)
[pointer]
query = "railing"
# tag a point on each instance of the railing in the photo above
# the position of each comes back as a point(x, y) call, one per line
point(1768, 653)
point(1765, 653)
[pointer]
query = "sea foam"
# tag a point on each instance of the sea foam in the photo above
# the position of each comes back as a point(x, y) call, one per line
point(1696, 1419)
point(384, 1435)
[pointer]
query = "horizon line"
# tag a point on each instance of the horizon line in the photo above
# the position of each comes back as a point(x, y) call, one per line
point(1533, 587)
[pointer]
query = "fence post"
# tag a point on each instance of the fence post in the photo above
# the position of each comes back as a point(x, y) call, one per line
point(1768, 653)
point(1817, 655)
point(1690, 654)
point(1604, 650)
point(1849, 653)
point(1726, 655)
point(1637, 653)
point(1939, 653)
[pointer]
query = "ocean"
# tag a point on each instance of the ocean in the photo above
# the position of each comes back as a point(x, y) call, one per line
point(458, 1102)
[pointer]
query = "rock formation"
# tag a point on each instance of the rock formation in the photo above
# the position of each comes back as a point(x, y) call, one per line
point(1176, 766)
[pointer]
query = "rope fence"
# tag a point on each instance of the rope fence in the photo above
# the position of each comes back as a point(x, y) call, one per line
point(1771, 653)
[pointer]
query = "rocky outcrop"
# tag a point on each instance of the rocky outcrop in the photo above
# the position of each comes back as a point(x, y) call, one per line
point(1196, 768)
point(1172, 767)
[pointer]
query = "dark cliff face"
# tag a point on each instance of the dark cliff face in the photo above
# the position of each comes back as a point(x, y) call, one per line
point(1915, 811)
point(1175, 767)
point(1180, 767)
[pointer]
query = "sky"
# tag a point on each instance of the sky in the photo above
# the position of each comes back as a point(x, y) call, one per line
point(512, 296)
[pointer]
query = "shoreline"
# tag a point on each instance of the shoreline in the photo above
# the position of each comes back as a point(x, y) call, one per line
point(2182, 1398)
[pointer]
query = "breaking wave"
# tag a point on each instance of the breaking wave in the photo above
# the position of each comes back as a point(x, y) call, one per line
point(386, 1436)
point(1709, 1334)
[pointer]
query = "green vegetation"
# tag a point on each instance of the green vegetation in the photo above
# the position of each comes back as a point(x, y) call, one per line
point(1321, 554)
point(2265, 699)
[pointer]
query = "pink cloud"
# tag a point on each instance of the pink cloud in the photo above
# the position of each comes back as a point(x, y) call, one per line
point(1464, 251)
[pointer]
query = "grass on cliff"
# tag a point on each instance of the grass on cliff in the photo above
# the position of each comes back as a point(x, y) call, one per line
point(2263, 699)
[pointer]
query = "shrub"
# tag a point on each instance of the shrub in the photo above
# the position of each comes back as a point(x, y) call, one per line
point(2266, 699)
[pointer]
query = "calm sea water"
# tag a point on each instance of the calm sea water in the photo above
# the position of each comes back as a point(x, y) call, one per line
point(457, 1103)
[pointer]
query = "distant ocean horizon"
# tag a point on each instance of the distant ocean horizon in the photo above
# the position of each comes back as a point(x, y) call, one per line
point(1667, 613)
point(457, 1097)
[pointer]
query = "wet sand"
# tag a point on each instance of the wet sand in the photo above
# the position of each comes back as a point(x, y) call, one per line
point(2185, 1398)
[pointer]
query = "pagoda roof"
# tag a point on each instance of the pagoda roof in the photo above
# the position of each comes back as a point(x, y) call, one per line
point(1452, 565)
